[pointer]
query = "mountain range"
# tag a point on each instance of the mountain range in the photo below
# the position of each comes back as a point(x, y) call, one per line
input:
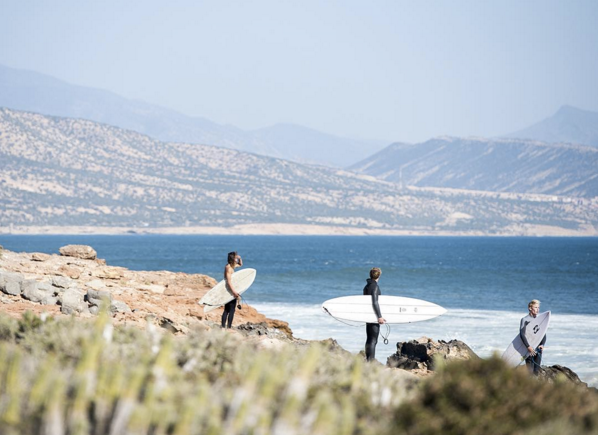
point(567, 125)
point(496, 165)
point(40, 93)
point(66, 172)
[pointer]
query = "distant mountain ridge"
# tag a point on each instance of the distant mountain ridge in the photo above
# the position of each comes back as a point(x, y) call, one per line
point(70, 172)
point(34, 92)
point(497, 165)
point(568, 125)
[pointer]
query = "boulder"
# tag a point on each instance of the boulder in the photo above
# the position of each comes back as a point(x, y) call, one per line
point(38, 256)
point(10, 283)
point(249, 329)
point(70, 271)
point(119, 307)
point(73, 301)
point(421, 353)
point(36, 291)
point(96, 297)
point(108, 273)
point(62, 282)
point(172, 326)
point(79, 251)
point(96, 284)
point(49, 300)
point(555, 372)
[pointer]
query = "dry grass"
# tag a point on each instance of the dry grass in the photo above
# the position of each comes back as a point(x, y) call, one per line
point(64, 376)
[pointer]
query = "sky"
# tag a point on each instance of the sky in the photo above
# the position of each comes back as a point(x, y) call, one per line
point(389, 70)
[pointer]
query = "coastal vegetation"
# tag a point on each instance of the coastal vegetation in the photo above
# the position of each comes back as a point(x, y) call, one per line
point(68, 375)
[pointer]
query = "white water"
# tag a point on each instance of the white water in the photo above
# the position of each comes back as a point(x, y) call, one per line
point(571, 338)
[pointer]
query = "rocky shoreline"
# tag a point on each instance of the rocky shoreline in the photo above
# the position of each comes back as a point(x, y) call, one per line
point(76, 283)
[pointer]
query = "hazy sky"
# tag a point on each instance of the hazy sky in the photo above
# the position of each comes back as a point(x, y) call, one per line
point(392, 70)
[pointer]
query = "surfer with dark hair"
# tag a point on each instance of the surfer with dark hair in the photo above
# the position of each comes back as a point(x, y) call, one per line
point(373, 329)
point(234, 261)
point(534, 359)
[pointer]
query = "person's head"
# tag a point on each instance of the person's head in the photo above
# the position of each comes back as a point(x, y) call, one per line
point(232, 258)
point(375, 273)
point(534, 307)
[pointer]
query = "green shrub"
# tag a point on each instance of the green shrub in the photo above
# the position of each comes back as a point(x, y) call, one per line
point(66, 373)
point(8, 328)
point(487, 397)
point(82, 377)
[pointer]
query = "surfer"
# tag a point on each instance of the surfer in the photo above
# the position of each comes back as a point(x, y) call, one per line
point(373, 329)
point(534, 359)
point(234, 261)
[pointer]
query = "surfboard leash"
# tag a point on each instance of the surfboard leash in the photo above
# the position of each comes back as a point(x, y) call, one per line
point(385, 338)
point(241, 301)
point(387, 333)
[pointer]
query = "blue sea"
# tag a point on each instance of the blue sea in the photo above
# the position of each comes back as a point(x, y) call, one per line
point(484, 283)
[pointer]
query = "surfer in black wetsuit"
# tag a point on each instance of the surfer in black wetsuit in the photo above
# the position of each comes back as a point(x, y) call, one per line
point(373, 329)
point(534, 359)
point(234, 261)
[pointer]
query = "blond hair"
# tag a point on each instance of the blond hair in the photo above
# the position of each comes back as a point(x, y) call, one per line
point(534, 302)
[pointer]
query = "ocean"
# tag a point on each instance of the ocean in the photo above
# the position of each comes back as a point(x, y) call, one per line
point(485, 283)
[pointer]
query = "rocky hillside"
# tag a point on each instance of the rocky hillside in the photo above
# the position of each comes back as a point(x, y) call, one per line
point(40, 93)
point(70, 173)
point(498, 165)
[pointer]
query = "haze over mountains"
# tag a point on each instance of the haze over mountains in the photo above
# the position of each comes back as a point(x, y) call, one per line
point(496, 165)
point(569, 125)
point(35, 92)
point(68, 172)
point(57, 171)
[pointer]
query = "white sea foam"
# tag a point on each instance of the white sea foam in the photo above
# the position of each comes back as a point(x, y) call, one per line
point(571, 338)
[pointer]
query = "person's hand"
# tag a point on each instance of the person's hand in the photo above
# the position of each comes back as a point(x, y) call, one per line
point(381, 321)
point(541, 348)
point(531, 350)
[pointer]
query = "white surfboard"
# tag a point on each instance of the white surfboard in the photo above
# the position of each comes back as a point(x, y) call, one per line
point(394, 309)
point(516, 353)
point(220, 295)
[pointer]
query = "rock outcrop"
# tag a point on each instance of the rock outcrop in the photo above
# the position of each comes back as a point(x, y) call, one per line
point(79, 251)
point(419, 357)
point(420, 354)
point(78, 283)
point(555, 372)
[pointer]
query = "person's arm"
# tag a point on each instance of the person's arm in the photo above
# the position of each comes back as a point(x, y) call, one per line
point(376, 306)
point(542, 343)
point(228, 274)
point(522, 327)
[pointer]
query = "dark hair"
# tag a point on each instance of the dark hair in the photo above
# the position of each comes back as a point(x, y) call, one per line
point(232, 256)
point(375, 273)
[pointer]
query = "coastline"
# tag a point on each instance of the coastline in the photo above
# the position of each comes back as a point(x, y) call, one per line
point(165, 299)
point(521, 230)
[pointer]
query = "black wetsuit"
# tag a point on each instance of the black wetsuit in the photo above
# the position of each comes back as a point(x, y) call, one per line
point(372, 329)
point(229, 309)
point(533, 362)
